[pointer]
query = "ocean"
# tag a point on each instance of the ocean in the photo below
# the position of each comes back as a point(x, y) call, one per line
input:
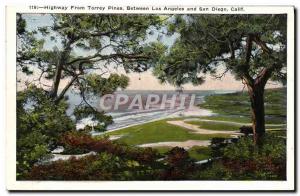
point(129, 113)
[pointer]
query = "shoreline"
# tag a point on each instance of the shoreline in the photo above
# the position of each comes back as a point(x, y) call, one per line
point(171, 116)
point(195, 111)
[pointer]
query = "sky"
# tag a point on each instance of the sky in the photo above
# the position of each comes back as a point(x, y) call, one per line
point(142, 81)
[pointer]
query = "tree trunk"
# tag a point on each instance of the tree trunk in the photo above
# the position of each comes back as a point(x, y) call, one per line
point(256, 94)
point(56, 80)
point(64, 56)
point(66, 88)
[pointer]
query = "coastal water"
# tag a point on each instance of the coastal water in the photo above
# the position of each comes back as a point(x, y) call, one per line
point(125, 116)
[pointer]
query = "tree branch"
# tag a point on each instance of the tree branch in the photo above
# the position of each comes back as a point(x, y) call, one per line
point(262, 44)
point(82, 93)
point(220, 76)
point(107, 33)
point(248, 49)
point(264, 75)
point(63, 92)
point(66, 88)
point(99, 57)
point(232, 55)
point(266, 72)
point(248, 79)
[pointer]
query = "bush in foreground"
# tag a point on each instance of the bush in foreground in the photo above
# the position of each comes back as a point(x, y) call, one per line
point(114, 161)
point(245, 161)
point(103, 166)
point(240, 160)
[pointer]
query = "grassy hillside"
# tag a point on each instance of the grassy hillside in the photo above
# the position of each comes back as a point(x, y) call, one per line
point(233, 108)
point(159, 131)
point(236, 106)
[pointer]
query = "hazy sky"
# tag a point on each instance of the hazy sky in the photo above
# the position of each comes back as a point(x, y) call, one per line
point(147, 81)
point(142, 81)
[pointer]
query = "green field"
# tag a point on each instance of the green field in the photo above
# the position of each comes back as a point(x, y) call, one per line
point(229, 125)
point(215, 125)
point(236, 106)
point(158, 131)
point(233, 108)
point(233, 118)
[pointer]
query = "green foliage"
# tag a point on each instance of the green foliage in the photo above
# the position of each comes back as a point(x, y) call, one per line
point(179, 66)
point(179, 165)
point(37, 112)
point(106, 163)
point(115, 161)
point(217, 145)
point(40, 123)
point(200, 153)
point(243, 160)
point(204, 43)
point(123, 35)
point(216, 171)
point(197, 153)
point(75, 142)
point(84, 111)
point(21, 24)
point(85, 142)
point(208, 42)
point(86, 45)
point(273, 147)
point(246, 46)
point(30, 149)
point(103, 166)
point(101, 86)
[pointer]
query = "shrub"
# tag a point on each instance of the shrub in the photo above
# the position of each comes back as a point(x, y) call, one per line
point(133, 164)
point(76, 142)
point(142, 155)
point(83, 142)
point(272, 146)
point(239, 160)
point(244, 160)
point(218, 144)
point(31, 149)
point(247, 130)
point(215, 171)
point(103, 166)
point(179, 165)
point(265, 162)
point(147, 155)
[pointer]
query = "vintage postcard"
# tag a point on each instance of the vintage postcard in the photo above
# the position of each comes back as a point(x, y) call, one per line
point(145, 98)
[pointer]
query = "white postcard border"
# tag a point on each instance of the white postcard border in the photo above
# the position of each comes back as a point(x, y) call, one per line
point(13, 184)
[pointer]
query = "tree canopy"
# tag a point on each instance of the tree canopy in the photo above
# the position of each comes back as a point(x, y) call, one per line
point(251, 47)
point(85, 44)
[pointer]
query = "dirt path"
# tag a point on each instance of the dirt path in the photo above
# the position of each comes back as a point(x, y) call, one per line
point(196, 129)
point(186, 144)
point(115, 137)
